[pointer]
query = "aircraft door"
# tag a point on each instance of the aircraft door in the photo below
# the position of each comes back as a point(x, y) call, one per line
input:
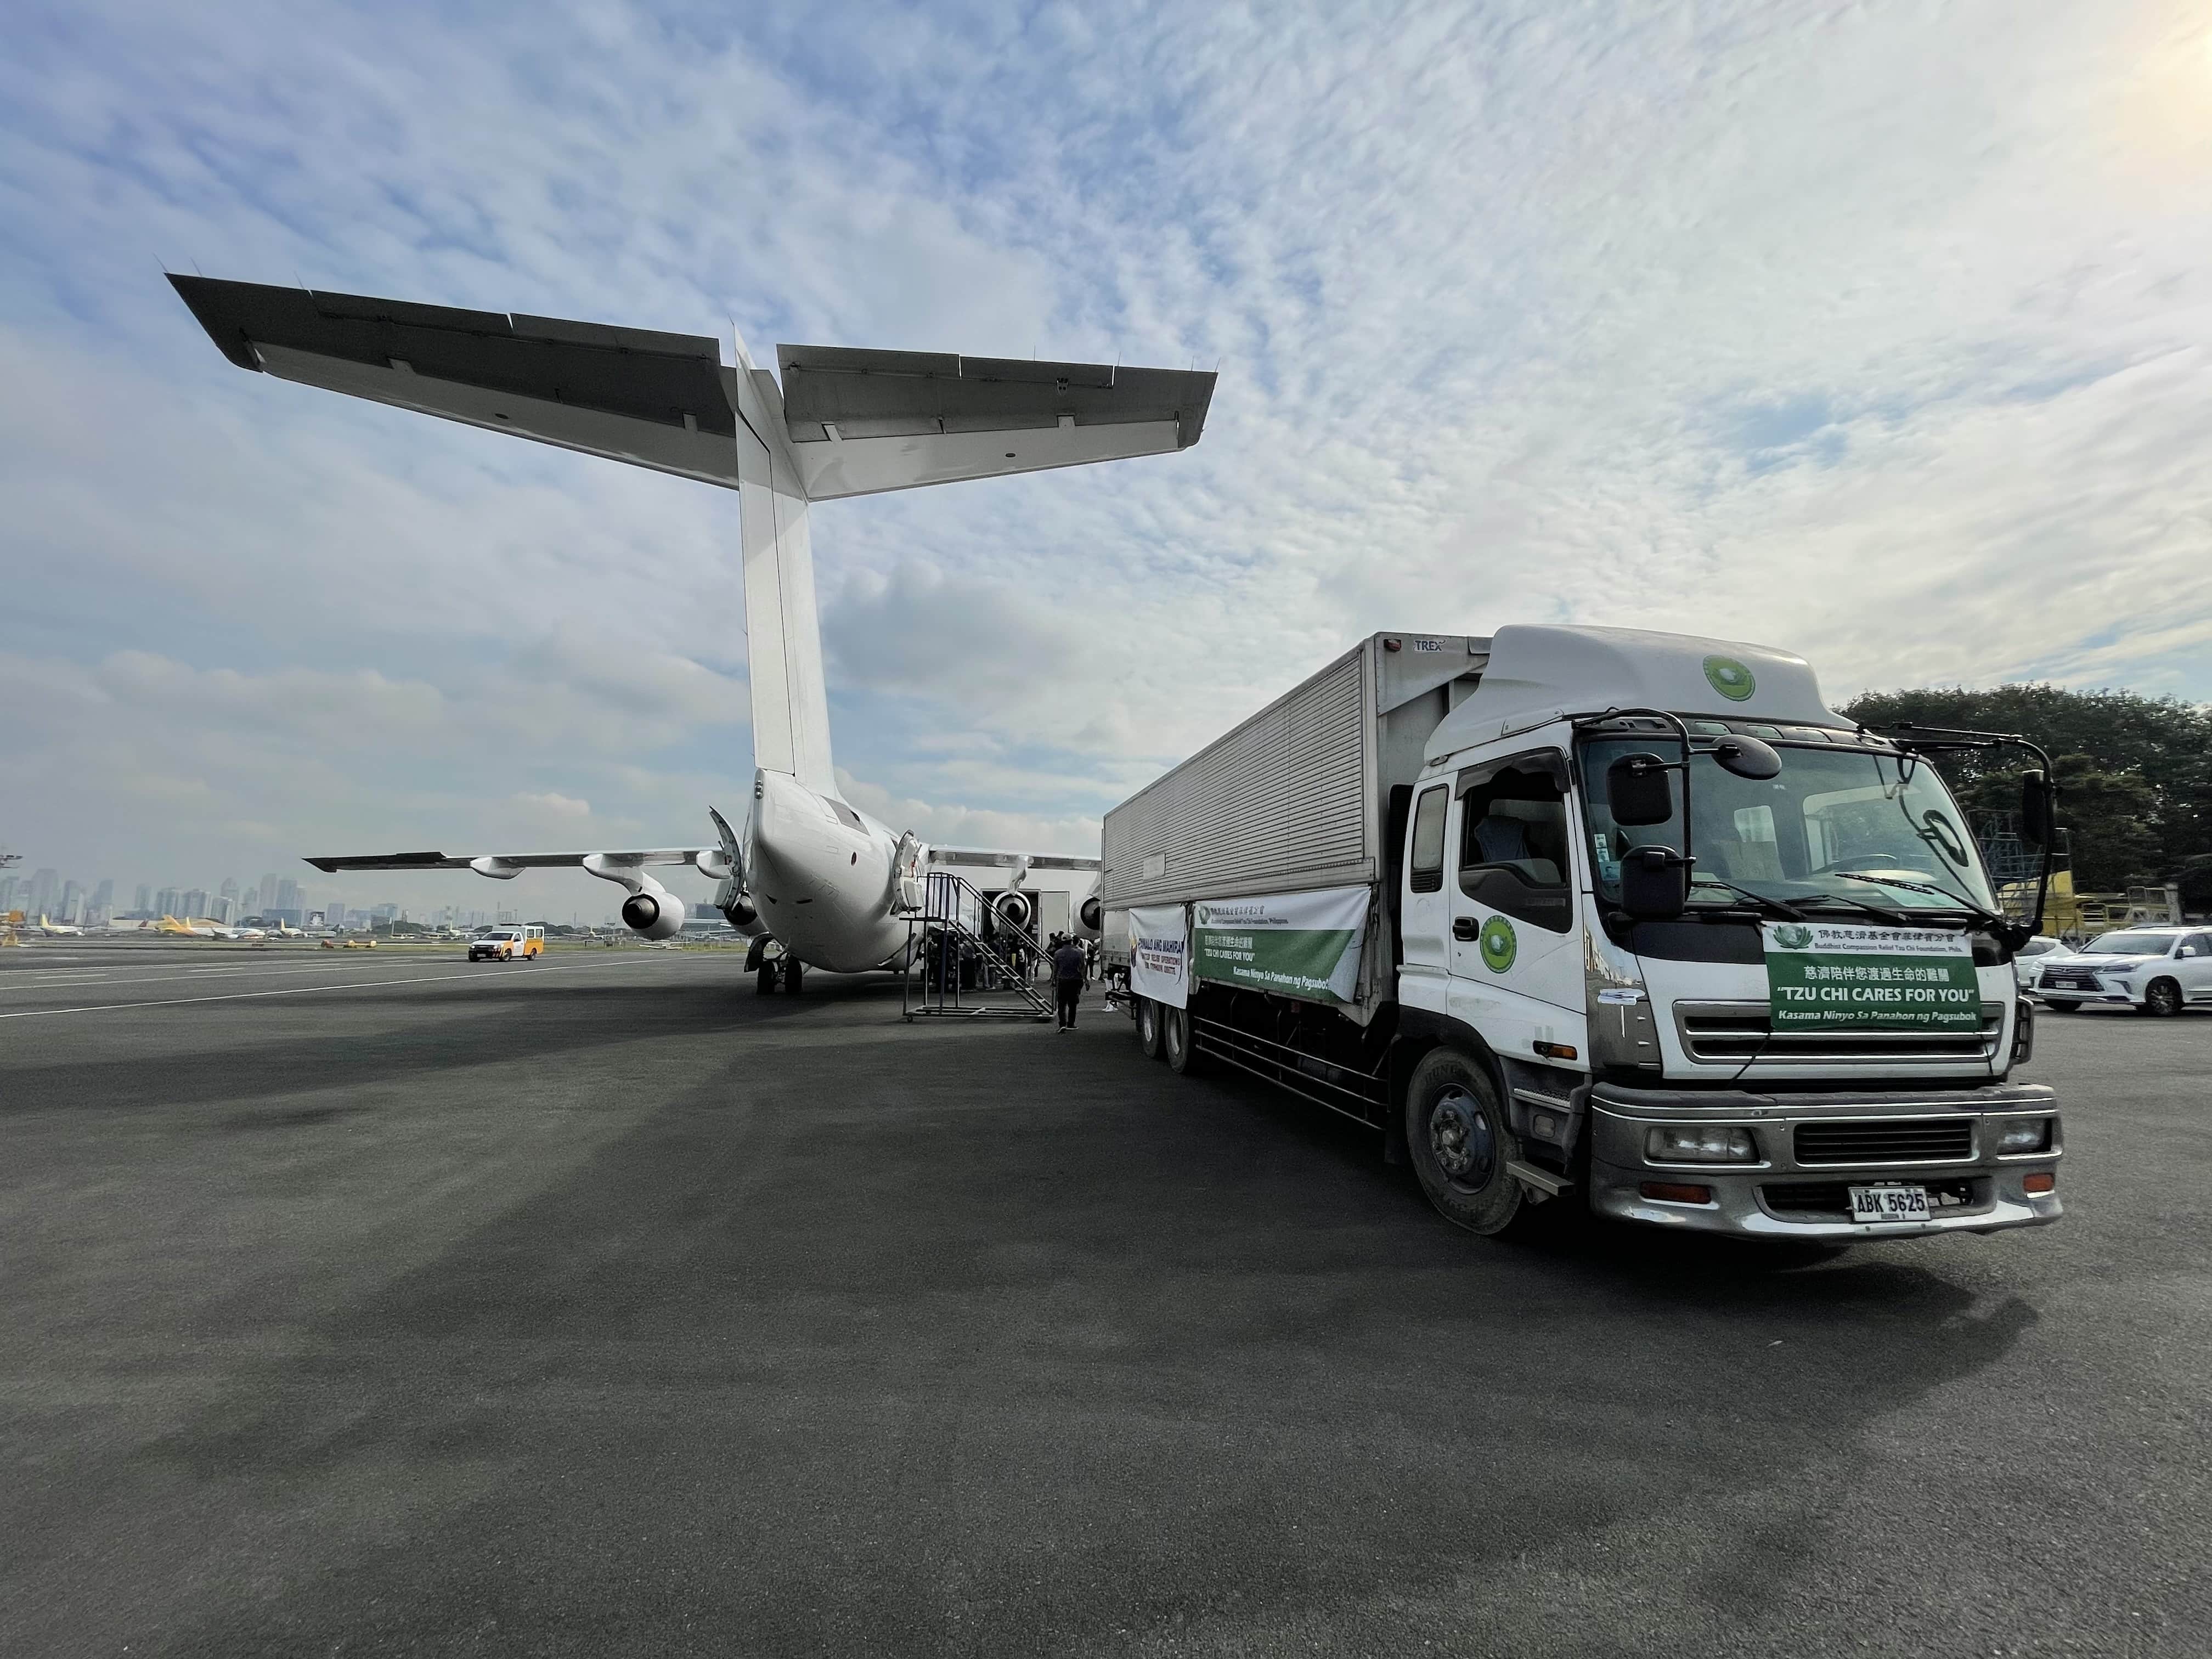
point(1052, 912)
point(1517, 960)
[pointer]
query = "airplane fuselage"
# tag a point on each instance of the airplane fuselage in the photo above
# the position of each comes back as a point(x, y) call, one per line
point(821, 874)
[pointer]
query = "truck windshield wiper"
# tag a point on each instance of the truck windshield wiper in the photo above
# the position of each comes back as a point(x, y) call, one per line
point(1773, 906)
point(1893, 918)
point(1988, 917)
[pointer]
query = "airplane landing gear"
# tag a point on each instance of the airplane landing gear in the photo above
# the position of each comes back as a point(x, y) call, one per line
point(781, 972)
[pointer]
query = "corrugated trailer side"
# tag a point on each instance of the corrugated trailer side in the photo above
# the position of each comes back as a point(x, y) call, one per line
point(1281, 802)
point(1297, 796)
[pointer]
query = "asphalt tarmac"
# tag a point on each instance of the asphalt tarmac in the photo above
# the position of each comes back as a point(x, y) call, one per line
point(357, 1304)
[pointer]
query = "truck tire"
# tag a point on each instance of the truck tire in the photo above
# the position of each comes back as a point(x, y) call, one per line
point(2161, 999)
point(2061, 1006)
point(1148, 1027)
point(1178, 1045)
point(1458, 1140)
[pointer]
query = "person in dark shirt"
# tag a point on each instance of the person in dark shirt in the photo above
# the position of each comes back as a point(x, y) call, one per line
point(1067, 972)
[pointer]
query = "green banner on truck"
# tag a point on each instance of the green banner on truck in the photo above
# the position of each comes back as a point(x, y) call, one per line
point(1823, 975)
point(1295, 945)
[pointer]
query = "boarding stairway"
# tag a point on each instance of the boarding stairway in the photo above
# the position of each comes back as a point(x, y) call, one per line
point(943, 916)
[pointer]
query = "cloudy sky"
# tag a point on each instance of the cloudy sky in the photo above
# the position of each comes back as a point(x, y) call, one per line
point(1877, 332)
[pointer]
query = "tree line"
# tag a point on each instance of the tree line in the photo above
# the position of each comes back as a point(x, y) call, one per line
point(2134, 773)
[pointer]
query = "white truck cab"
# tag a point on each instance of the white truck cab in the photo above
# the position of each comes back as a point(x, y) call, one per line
point(1819, 1032)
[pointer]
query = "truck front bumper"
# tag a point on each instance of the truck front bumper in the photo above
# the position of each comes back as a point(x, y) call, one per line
point(1812, 1148)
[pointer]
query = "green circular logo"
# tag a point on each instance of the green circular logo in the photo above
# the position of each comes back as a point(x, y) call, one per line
point(1204, 914)
point(1497, 944)
point(1730, 678)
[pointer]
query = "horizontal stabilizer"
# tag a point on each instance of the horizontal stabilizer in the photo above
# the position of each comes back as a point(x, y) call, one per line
point(631, 394)
point(508, 863)
point(861, 421)
point(855, 422)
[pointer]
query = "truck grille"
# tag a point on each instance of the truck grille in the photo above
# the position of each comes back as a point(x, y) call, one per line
point(1886, 1141)
point(1730, 1033)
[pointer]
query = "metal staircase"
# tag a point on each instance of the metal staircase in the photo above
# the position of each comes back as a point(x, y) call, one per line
point(944, 917)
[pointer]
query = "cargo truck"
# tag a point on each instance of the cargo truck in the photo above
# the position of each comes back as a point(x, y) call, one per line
point(1621, 919)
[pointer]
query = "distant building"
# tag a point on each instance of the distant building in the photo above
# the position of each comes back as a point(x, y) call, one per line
point(196, 901)
point(44, 897)
point(144, 901)
point(9, 886)
point(168, 902)
point(288, 895)
point(72, 902)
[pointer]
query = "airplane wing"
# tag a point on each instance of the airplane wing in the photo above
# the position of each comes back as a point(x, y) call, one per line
point(659, 400)
point(996, 856)
point(501, 865)
point(855, 422)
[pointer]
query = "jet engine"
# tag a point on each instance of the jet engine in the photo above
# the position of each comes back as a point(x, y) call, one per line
point(1014, 908)
point(653, 911)
point(1091, 915)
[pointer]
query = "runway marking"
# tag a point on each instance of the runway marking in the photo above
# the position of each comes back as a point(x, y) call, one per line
point(69, 975)
point(479, 978)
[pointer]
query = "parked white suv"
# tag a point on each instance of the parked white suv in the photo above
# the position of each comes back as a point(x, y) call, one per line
point(2157, 970)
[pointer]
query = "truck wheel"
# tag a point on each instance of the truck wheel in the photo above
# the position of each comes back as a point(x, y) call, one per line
point(1148, 1027)
point(767, 980)
point(2161, 999)
point(2059, 1006)
point(1458, 1136)
point(1176, 1042)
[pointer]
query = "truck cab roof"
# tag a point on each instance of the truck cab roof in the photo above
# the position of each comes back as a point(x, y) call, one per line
point(1538, 672)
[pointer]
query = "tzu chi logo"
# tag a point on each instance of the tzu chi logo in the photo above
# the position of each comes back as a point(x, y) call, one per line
point(1791, 937)
point(1730, 678)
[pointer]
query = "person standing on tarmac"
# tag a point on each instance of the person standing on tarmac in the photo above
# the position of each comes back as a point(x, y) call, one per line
point(1067, 973)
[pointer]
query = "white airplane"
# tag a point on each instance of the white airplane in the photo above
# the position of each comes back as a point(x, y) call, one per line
point(58, 929)
point(821, 879)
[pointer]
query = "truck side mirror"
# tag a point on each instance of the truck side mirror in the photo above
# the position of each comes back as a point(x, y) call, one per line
point(2036, 802)
point(1637, 791)
point(1748, 758)
point(1654, 883)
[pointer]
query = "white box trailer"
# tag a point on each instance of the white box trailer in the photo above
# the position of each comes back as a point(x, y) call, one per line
point(1296, 798)
point(1625, 917)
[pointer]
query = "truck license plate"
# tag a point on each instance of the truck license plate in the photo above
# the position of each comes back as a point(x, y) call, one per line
point(1889, 1203)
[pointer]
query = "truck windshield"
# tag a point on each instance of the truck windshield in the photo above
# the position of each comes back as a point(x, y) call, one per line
point(1847, 823)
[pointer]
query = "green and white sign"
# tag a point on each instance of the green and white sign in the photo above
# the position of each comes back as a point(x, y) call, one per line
point(1296, 945)
point(1730, 678)
point(1823, 975)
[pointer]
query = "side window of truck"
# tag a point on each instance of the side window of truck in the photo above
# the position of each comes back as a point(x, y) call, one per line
point(1426, 868)
point(1513, 841)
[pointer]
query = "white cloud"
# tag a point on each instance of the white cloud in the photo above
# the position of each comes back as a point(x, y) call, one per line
point(554, 805)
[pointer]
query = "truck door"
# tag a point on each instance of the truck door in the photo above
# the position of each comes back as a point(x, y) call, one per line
point(1424, 907)
point(1517, 960)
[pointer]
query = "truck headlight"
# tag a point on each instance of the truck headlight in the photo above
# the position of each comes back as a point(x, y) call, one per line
point(1690, 1143)
point(2029, 1134)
